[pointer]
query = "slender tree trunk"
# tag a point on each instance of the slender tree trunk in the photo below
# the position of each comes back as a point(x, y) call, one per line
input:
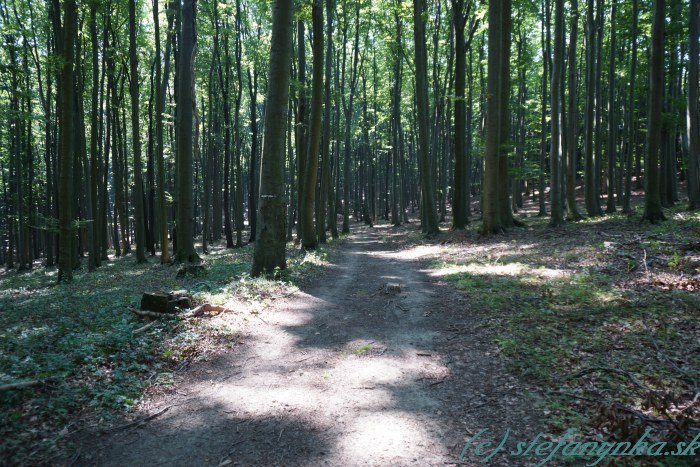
point(543, 115)
point(66, 35)
point(238, 205)
point(253, 161)
point(504, 207)
point(160, 160)
point(556, 144)
point(612, 120)
point(652, 199)
point(598, 86)
point(572, 122)
point(302, 118)
point(492, 221)
point(140, 219)
point(270, 246)
point(309, 239)
point(459, 202)
point(325, 194)
point(348, 108)
point(430, 222)
point(631, 113)
point(693, 118)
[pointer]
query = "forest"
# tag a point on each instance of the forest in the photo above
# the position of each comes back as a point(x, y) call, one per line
point(498, 198)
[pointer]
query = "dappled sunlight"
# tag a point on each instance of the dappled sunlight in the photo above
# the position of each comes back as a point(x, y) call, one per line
point(373, 435)
point(510, 269)
point(417, 252)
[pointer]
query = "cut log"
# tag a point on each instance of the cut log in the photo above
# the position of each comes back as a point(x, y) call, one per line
point(162, 303)
point(159, 303)
point(392, 288)
point(181, 298)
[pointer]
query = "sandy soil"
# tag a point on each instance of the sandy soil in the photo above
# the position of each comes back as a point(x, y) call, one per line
point(346, 372)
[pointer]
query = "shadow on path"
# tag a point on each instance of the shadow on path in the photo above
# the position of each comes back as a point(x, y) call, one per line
point(345, 372)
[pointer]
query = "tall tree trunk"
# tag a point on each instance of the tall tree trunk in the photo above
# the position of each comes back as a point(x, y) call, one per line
point(459, 201)
point(238, 205)
point(309, 240)
point(185, 230)
point(270, 246)
point(66, 35)
point(598, 86)
point(326, 163)
point(543, 115)
point(160, 160)
point(348, 110)
point(652, 197)
point(572, 148)
point(693, 118)
point(430, 222)
point(612, 121)
point(253, 161)
point(631, 113)
point(302, 119)
point(139, 218)
point(556, 144)
point(504, 207)
point(492, 221)
point(93, 227)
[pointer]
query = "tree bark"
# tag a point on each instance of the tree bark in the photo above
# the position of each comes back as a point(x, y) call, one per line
point(66, 34)
point(631, 113)
point(612, 121)
point(269, 254)
point(572, 148)
point(185, 224)
point(652, 199)
point(430, 222)
point(492, 221)
point(309, 238)
point(693, 118)
point(556, 144)
point(140, 218)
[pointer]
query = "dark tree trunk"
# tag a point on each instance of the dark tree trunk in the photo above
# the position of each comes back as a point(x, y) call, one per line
point(139, 218)
point(693, 119)
point(185, 230)
point(430, 222)
point(652, 200)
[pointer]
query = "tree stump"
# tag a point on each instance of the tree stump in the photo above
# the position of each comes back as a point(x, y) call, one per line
point(166, 303)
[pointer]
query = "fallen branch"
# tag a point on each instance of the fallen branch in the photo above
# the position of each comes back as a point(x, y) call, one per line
point(142, 420)
point(152, 314)
point(605, 369)
point(623, 408)
point(201, 309)
point(670, 361)
point(22, 385)
point(143, 328)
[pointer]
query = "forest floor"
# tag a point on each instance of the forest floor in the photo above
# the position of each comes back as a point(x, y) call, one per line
point(386, 348)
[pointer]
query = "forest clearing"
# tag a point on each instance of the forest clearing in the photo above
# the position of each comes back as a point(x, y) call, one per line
point(344, 232)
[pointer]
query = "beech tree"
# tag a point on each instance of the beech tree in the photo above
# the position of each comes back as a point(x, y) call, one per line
point(270, 246)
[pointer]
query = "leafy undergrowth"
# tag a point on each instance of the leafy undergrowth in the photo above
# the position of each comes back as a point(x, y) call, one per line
point(79, 339)
point(603, 315)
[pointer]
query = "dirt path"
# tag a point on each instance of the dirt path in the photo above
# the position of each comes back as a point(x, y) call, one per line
point(343, 373)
